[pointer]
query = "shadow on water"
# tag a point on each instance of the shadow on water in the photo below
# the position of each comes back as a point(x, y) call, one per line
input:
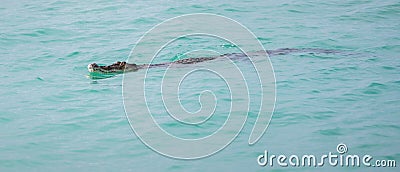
point(97, 76)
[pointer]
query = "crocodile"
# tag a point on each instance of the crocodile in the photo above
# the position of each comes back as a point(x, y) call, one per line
point(121, 67)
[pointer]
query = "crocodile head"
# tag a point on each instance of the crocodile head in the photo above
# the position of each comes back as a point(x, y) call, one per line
point(118, 67)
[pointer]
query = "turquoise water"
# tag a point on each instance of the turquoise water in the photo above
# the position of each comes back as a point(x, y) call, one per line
point(54, 118)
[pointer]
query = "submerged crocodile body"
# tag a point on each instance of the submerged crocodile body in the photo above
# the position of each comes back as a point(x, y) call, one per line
point(120, 67)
